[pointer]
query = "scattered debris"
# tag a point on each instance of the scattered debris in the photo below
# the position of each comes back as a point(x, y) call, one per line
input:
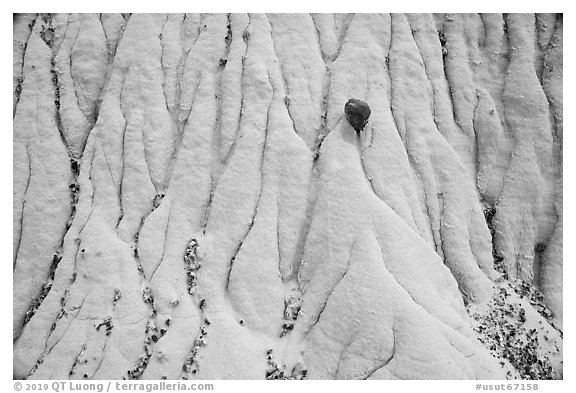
point(117, 296)
point(45, 288)
point(150, 330)
point(74, 190)
point(489, 213)
point(37, 302)
point(522, 288)
point(107, 323)
point(191, 255)
point(292, 307)
point(536, 299)
point(502, 330)
point(147, 296)
point(77, 360)
point(191, 365)
point(273, 371)
point(228, 37)
point(191, 265)
point(19, 83)
point(150, 327)
point(75, 166)
point(157, 200)
point(287, 327)
point(139, 368)
point(47, 32)
point(442, 38)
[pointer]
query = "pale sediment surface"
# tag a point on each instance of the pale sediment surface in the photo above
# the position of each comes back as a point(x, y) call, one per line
point(190, 202)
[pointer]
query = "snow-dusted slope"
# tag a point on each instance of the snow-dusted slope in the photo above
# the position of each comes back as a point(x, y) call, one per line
point(190, 201)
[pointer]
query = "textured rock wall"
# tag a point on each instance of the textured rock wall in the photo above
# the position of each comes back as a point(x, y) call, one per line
point(190, 202)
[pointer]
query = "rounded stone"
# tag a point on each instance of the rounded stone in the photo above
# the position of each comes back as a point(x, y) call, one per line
point(357, 113)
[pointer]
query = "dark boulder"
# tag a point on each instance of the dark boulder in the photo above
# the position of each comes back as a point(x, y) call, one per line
point(357, 113)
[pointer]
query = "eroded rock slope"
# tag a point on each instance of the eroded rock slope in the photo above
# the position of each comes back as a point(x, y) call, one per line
point(190, 201)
